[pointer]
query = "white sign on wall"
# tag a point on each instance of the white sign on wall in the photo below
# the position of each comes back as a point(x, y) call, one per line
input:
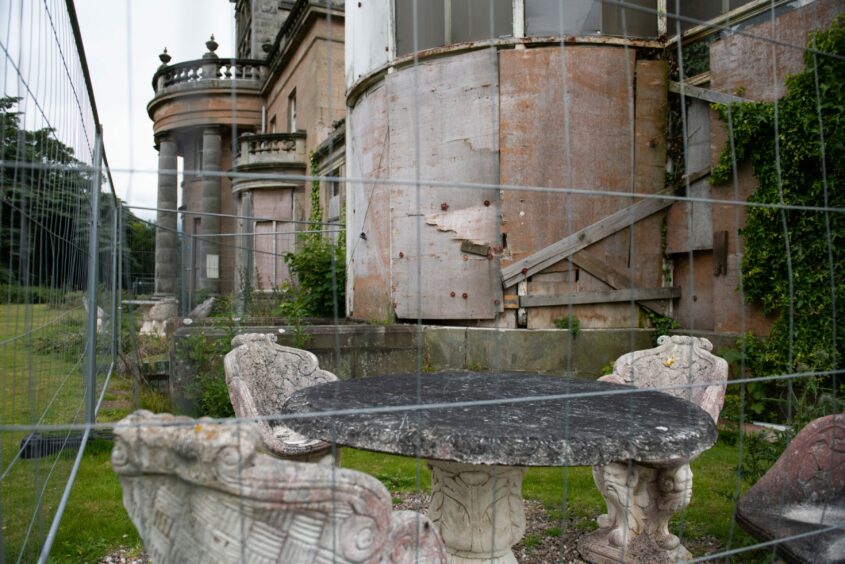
point(212, 266)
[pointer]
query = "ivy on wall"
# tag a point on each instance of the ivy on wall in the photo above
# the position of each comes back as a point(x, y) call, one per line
point(794, 259)
point(319, 263)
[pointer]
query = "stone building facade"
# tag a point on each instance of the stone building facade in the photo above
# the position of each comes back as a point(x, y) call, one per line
point(244, 128)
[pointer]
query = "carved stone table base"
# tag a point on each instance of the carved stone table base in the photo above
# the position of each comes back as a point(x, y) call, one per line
point(640, 501)
point(478, 510)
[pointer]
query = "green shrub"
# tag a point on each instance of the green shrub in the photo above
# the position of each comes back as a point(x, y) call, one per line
point(208, 391)
point(570, 322)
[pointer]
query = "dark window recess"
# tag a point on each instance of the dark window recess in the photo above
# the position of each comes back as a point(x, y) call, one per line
point(590, 17)
point(428, 23)
point(443, 22)
point(480, 19)
point(562, 17)
point(638, 18)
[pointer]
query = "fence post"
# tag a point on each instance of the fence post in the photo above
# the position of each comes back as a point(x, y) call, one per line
point(90, 374)
point(115, 286)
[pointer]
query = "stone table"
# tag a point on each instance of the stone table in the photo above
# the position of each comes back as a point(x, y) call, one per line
point(479, 432)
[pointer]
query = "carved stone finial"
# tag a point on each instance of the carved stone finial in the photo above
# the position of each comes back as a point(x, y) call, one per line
point(164, 57)
point(211, 44)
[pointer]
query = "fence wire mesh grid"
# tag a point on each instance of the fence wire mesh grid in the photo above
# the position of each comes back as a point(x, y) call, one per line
point(468, 210)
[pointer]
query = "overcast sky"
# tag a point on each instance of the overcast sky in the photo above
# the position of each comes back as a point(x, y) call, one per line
point(123, 39)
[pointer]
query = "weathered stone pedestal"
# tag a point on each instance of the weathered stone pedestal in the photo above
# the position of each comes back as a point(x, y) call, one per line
point(477, 510)
point(640, 501)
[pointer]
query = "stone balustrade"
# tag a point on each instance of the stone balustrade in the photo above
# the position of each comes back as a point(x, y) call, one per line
point(208, 73)
point(271, 148)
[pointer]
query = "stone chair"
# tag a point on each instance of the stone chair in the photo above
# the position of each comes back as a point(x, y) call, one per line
point(641, 498)
point(260, 376)
point(803, 492)
point(200, 492)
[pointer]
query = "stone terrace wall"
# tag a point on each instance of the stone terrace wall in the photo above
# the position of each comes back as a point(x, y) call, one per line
point(369, 350)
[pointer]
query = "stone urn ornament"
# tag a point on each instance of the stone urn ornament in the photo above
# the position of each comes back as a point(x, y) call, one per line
point(164, 57)
point(212, 46)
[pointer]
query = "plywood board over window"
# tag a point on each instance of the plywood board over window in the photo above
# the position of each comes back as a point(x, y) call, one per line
point(273, 237)
point(457, 131)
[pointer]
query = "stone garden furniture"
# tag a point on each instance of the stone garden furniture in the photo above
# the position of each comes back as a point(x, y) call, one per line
point(159, 317)
point(642, 495)
point(200, 492)
point(260, 376)
point(483, 432)
point(804, 492)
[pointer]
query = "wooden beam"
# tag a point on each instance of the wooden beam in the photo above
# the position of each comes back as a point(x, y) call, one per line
point(581, 239)
point(614, 278)
point(611, 296)
point(706, 95)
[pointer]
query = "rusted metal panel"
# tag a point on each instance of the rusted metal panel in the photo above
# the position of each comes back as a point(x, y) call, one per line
point(450, 107)
point(368, 209)
point(533, 143)
point(650, 112)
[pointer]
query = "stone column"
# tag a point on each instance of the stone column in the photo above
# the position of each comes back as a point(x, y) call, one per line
point(167, 241)
point(210, 203)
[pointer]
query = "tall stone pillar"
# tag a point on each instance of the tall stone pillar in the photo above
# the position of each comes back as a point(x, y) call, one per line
point(210, 203)
point(167, 240)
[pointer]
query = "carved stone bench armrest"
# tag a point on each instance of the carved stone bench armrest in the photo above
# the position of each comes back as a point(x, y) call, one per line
point(412, 539)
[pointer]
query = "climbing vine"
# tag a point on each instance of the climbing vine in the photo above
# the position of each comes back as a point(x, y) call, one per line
point(794, 256)
point(318, 264)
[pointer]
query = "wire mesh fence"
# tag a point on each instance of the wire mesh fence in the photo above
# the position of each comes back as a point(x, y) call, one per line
point(490, 189)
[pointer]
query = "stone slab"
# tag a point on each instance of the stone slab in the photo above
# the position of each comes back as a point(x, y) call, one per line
point(572, 422)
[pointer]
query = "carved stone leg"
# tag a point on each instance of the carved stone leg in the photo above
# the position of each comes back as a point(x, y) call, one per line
point(640, 501)
point(671, 491)
point(477, 510)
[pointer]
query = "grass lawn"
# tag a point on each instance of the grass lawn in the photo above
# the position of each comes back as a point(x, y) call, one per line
point(95, 522)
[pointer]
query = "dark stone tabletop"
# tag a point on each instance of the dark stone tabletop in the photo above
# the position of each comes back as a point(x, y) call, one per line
point(535, 425)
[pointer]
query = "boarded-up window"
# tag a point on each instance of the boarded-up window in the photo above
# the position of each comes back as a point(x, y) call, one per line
point(590, 17)
point(272, 240)
point(333, 196)
point(274, 236)
point(443, 22)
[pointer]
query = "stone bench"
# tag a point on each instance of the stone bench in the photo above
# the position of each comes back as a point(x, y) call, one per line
point(803, 492)
point(260, 376)
point(200, 492)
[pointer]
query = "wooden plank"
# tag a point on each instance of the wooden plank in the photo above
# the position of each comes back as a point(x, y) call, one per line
point(705, 94)
point(614, 278)
point(579, 298)
point(581, 239)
